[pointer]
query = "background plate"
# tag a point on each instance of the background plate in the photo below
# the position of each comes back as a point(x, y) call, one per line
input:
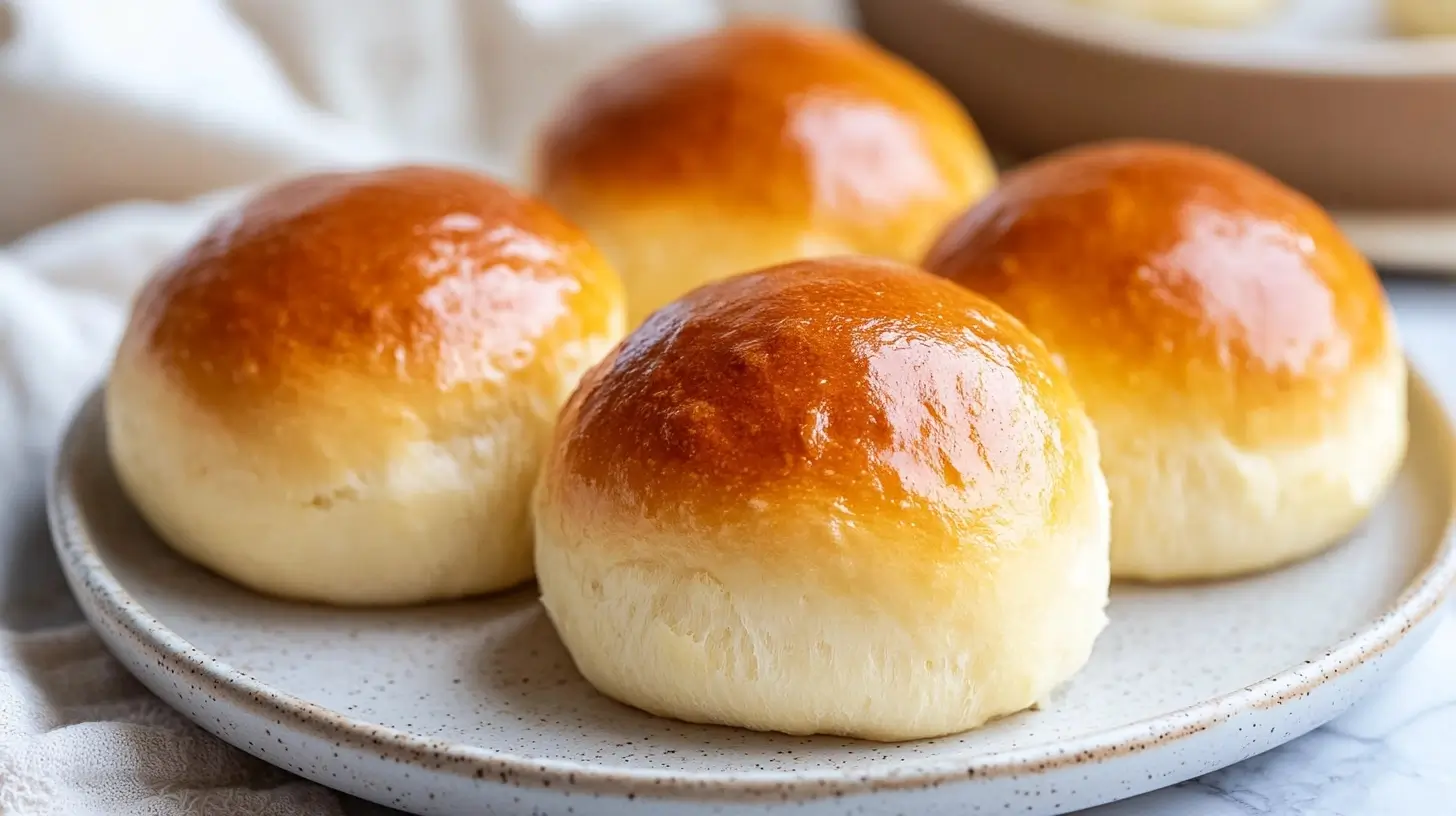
point(464, 707)
point(1320, 95)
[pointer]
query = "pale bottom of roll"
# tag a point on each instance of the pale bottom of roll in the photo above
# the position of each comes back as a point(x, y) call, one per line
point(429, 526)
point(1187, 505)
point(774, 649)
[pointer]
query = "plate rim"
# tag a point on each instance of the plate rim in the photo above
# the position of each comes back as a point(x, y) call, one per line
point(1411, 242)
point(83, 567)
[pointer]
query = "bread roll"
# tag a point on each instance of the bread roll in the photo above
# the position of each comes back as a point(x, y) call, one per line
point(1194, 13)
point(753, 146)
point(342, 391)
point(1423, 18)
point(1235, 352)
point(837, 496)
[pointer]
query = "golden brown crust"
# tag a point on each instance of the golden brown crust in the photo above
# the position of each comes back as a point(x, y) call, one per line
point(415, 276)
point(1180, 279)
point(770, 121)
point(864, 389)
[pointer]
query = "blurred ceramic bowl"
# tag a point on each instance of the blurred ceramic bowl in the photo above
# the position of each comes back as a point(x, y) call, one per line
point(1319, 96)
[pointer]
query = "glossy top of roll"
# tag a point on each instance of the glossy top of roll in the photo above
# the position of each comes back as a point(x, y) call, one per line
point(422, 277)
point(864, 388)
point(1176, 273)
point(765, 119)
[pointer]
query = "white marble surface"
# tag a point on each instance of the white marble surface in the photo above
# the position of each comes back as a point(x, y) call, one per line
point(1394, 754)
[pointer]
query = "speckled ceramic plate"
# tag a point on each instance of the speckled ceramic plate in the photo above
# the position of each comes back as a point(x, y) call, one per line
point(475, 707)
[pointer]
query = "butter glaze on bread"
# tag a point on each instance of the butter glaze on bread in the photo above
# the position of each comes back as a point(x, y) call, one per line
point(835, 496)
point(757, 145)
point(1235, 351)
point(340, 392)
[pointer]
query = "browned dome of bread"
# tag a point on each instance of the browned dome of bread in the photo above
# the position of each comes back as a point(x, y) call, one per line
point(757, 145)
point(865, 380)
point(420, 276)
point(1180, 275)
point(782, 120)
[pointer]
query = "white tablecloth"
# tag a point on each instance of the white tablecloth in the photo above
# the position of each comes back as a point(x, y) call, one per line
point(122, 105)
